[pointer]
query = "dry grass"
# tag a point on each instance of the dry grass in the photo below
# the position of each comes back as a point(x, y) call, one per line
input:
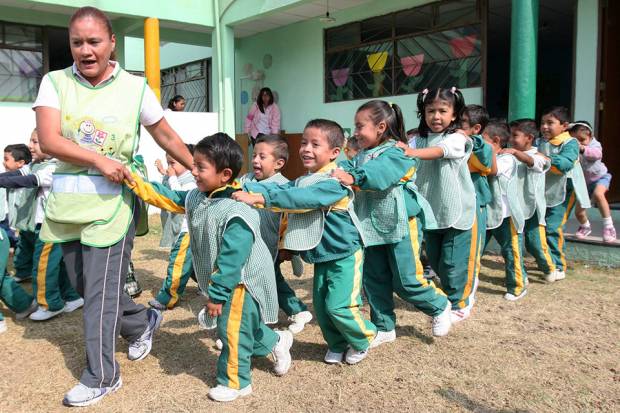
point(557, 350)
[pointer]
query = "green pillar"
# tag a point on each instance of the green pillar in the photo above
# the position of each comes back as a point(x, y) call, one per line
point(523, 47)
point(224, 73)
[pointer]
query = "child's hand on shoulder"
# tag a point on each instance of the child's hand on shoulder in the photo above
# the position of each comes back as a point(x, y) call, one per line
point(160, 167)
point(509, 151)
point(248, 198)
point(213, 309)
point(344, 177)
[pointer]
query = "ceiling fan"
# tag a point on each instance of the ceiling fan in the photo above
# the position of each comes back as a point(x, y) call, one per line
point(327, 18)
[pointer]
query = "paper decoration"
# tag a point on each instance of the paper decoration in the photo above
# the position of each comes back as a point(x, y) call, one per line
point(412, 65)
point(340, 76)
point(377, 61)
point(463, 46)
point(244, 97)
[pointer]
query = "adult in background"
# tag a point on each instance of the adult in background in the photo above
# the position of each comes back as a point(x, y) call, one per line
point(264, 116)
point(176, 104)
point(87, 117)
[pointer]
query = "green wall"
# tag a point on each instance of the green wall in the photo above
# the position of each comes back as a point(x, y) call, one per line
point(586, 69)
point(170, 54)
point(296, 72)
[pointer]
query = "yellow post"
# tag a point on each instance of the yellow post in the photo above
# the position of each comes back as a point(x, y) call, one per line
point(151, 54)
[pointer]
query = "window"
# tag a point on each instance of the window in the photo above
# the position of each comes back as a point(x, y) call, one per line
point(436, 45)
point(192, 81)
point(21, 62)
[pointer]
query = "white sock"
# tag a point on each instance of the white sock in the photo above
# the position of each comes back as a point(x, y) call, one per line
point(586, 224)
point(607, 222)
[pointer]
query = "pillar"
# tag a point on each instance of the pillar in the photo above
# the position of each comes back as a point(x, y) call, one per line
point(151, 54)
point(523, 48)
point(224, 73)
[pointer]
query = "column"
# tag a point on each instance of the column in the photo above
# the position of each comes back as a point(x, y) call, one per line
point(151, 54)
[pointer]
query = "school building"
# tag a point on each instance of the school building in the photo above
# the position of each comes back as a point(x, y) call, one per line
point(323, 58)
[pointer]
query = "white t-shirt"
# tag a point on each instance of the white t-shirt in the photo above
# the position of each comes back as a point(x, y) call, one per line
point(173, 181)
point(44, 181)
point(539, 161)
point(505, 167)
point(151, 111)
point(454, 146)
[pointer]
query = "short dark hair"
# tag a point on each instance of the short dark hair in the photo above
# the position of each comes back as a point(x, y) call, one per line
point(277, 142)
point(333, 131)
point(477, 115)
point(559, 112)
point(353, 143)
point(19, 152)
point(499, 129)
point(223, 151)
point(190, 147)
point(526, 126)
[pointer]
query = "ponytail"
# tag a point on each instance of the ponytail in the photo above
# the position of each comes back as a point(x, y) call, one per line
point(390, 113)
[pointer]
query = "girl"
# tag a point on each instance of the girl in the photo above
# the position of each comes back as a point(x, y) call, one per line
point(444, 180)
point(387, 206)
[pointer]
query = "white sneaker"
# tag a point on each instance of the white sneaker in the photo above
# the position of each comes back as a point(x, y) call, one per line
point(2, 326)
point(141, 347)
point(219, 345)
point(440, 324)
point(354, 356)
point(383, 337)
point(527, 282)
point(555, 276)
point(80, 395)
point(461, 314)
point(33, 307)
point(71, 306)
point(282, 353)
point(299, 321)
point(331, 357)
point(512, 297)
point(221, 393)
point(42, 314)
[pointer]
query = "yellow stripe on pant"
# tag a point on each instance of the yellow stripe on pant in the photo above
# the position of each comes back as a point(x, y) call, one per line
point(569, 207)
point(516, 258)
point(177, 271)
point(42, 274)
point(355, 296)
point(542, 234)
point(232, 333)
point(472, 264)
point(415, 246)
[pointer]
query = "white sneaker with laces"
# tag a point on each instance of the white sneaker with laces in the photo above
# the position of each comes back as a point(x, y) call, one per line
point(331, 357)
point(141, 347)
point(282, 353)
point(354, 356)
point(71, 306)
point(461, 314)
point(80, 395)
point(218, 344)
point(383, 337)
point(512, 297)
point(440, 324)
point(299, 321)
point(33, 307)
point(42, 314)
point(221, 393)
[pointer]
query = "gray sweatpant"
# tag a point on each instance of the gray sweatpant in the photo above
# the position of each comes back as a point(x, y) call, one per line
point(98, 275)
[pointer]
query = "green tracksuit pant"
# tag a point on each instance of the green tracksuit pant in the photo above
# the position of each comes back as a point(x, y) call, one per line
point(287, 299)
point(50, 285)
point(453, 255)
point(22, 260)
point(11, 293)
point(556, 218)
point(243, 336)
point(481, 219)
point(535, 237)
point(180, 270)
point(337, 301)
point(396, 268)
point(511, 245)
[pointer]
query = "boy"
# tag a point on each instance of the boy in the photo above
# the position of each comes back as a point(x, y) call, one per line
point(323, 230)
point(270, 156)
point(531, 171)
point(505, 219)
point(564, 183)
point(51, 286)
point(231, 264)
point(481, 164)
point(180, 267)
point(15, 157)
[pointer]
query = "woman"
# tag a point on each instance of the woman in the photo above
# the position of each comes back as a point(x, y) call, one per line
point(87, 117)
point(264, 116)
point(176, 104)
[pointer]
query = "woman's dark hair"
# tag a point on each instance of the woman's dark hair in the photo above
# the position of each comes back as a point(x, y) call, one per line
point(223, 151)
point(390, 113)
point(19, 152)
point(259, 98)
point(96, 14)
point(452, 95)
point(175, 99)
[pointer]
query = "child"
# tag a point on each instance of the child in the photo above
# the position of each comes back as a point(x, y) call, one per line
point(180, 260)
point(505, 218)
point(15, 157)
point(443, 178)
point(531, 173)
point(323, 230)
point(231, 264)
point(391, 220)
point(51, 286)
point(352, 147)
point(597, 177)
point(269, 157)
point(563, 183)
point(481, 164)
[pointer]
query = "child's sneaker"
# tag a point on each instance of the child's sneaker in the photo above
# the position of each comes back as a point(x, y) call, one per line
point(331, 357)
point(219, 344)
point(609, 234)
point(354, 356)
point(512, 297)
point(157, 305)
point(555, 276)
point(141, 347)
point(21, 278)
point(441, 323)
point(461, 314)
point(2, 326)
point(583, 231)
point(383, 337)
point(33, 307)
point(221, 393)
point(80, 395)
point(71, 306)
point(299, 321)
point(282, 353)
point(42, 314)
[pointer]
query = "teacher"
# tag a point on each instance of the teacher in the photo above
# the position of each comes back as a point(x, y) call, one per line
point(88, 117)
point(264, 116)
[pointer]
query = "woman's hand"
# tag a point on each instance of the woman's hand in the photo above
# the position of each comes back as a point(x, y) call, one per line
point(343, 177)
point(113, 170)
